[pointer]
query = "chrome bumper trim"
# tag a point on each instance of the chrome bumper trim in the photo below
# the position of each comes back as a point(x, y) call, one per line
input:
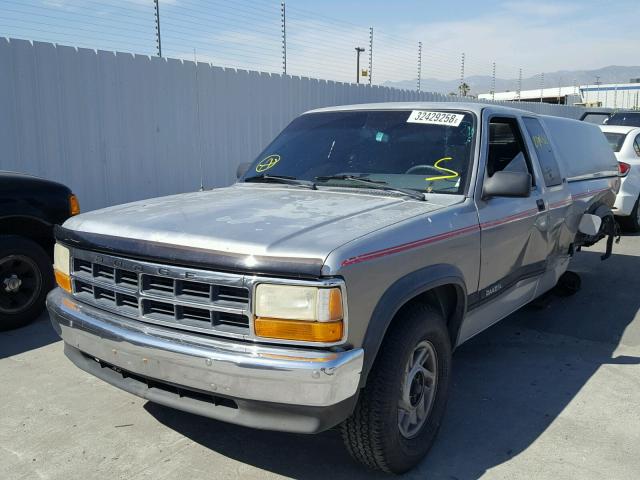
point(235, 369)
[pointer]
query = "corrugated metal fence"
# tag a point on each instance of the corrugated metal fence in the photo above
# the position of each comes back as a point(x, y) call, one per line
point(117, 127)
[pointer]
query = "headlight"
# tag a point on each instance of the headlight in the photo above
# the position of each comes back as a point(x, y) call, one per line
point(313, 314)
point(298, 303)
point(61, 266)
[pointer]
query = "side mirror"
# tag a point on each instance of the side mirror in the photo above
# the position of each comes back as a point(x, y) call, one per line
point(242, 169)
point(507, 184)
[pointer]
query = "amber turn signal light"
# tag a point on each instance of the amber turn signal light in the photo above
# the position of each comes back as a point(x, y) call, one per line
point(335, 304)
point(74, 205)
point(300, 330)
point(63, 280)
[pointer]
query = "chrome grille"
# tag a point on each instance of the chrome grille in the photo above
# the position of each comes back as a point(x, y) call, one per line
point(190, 299)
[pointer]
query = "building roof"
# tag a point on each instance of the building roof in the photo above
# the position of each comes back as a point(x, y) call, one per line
point(531, 94)
point(553, 92)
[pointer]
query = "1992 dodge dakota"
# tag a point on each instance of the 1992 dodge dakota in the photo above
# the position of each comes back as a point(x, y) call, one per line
point(332, 282)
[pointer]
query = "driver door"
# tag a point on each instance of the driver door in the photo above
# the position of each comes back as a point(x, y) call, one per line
point(513, 244)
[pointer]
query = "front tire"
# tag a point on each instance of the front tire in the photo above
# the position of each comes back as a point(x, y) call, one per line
point(26, 276)
point(400, 409)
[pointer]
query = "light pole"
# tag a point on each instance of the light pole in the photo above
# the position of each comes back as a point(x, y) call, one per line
point(159, 41)
point(359, 50)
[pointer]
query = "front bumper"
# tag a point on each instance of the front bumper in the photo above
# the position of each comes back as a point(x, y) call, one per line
point(276, 388)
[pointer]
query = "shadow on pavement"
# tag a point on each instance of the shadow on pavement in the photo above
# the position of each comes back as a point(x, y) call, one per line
point(35, 335)
point(509, 385)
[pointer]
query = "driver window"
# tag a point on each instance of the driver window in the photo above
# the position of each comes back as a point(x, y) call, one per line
point(506, 148)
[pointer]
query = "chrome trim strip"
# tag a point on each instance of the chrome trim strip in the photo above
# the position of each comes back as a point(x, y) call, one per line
point(594, 176)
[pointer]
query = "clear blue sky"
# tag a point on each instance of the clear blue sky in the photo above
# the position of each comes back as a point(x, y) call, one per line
point(534, 35)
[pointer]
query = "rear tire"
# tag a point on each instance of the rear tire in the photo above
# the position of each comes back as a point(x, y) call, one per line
point(632, 222)
point(26, 276)
point(380, 434)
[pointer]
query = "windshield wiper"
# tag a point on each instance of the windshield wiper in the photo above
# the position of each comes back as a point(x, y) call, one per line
point(375, 184)
point(281, 179)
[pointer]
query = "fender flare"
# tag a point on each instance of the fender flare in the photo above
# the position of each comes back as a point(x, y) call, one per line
point(398, 294)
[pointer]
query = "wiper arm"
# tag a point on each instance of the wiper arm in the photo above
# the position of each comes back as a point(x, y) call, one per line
point(281, 179)
point(375, 184)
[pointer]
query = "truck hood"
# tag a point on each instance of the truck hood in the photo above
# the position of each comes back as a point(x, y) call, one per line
point(255, 220)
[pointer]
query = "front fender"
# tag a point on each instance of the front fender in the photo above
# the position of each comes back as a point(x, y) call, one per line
point(401, 292)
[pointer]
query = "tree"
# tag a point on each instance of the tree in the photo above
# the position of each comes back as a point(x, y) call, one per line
point(464, 89)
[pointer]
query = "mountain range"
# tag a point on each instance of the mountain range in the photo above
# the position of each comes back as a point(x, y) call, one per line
point(482, 83)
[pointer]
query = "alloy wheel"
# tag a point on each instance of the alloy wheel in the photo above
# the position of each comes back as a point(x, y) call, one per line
point(418, 389)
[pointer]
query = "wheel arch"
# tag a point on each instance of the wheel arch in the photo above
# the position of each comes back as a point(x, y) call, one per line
point(32, 228)
point(441, 286)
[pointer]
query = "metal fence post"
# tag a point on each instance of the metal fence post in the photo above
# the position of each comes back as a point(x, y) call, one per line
point(419, 65)
point(461, 88)
point(370, 55)
point(283, 24)
point(519, 91)
point(493, 81)
point(559, 90)
point(158, 38)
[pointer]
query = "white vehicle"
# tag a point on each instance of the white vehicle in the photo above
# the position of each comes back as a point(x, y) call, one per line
point(625, 142)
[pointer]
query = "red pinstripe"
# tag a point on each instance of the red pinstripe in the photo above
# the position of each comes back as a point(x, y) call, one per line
point(434, 238)
point(454, 233)
point(518, 216)
point(587, 194)
point(561, 203)
point(407, 246)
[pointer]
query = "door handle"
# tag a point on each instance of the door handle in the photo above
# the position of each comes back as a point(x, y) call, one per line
point(541, 205)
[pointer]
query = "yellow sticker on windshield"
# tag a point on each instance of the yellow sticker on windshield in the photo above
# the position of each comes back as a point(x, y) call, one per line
point(449, 174)
point(267, 163)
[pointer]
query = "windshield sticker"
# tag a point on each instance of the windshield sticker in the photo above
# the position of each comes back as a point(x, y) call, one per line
point(267, 163)
point(435, 118)
point(448, 173)
point(382, 137)
point(539, 140)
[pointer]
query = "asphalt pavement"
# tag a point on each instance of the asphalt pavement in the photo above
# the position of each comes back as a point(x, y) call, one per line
point(549, 393)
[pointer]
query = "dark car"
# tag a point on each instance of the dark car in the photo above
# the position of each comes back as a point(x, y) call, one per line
point(29, 209)
point(599, 116)
point(625, 119)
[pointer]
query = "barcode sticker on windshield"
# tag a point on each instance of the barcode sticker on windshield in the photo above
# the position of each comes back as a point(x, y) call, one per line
point(435, 118)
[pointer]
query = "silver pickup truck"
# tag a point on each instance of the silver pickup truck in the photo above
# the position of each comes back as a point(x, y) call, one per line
point(332, 282)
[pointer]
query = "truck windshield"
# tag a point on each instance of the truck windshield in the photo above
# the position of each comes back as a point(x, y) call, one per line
point(627, 119)
point(616, 140)
point(425, 151)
